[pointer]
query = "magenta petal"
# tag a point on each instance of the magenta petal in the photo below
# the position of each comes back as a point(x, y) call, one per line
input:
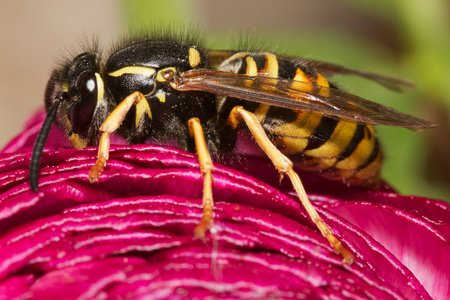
point(25, 140)
point(131, 234)
point(66, 245)
point(419, 245)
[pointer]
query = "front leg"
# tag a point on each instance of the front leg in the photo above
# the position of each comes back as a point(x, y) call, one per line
point(110, 126)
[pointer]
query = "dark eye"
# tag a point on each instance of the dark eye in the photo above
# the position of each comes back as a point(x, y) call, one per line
point(82, 111)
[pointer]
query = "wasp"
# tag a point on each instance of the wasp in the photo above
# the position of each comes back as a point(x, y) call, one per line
point(171, 89)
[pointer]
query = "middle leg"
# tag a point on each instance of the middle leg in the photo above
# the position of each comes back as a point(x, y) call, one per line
point(206, 167)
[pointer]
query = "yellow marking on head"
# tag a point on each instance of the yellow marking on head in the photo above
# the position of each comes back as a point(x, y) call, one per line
point(159, 77)
point(142, 107)
point(251, 70)
point(65, 87)
point(194, 57)
point(145, 71)
point(78, 142)
point(271, 68)
point(161, 97)
point(100, 87)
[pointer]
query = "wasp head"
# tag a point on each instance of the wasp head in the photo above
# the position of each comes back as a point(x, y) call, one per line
point(75, 100)
point(78, 86)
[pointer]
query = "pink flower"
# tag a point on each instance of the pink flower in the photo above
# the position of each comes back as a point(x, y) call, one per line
point(131, 235)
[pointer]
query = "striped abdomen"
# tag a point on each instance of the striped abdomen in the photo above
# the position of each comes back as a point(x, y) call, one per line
point(335, 149)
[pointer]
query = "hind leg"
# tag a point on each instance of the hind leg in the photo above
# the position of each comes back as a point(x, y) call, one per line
point(284, 165)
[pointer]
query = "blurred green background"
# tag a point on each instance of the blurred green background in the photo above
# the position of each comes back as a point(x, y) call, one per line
point(403, 38)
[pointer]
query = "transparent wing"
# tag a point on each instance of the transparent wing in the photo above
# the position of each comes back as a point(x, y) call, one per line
point(295, 95)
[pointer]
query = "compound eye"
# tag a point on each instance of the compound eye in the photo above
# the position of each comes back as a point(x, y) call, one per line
point(82, 111)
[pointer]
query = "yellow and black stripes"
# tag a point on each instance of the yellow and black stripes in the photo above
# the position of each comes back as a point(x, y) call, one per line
point(336, 149)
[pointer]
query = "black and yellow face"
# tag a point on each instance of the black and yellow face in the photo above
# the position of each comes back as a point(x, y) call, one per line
point(80, 89)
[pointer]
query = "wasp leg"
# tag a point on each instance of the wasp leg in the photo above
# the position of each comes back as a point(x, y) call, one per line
point(108, 127)
point(206, 166)
point(284, 165)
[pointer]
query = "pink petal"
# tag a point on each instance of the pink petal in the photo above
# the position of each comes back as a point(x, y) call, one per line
point(131, 235)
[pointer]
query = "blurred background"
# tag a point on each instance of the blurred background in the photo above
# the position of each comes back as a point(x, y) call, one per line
point(403, 38)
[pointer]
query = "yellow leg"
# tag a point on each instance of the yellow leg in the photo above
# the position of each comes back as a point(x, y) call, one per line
point(206, 166)
point(284, 165)
point(108, 127)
